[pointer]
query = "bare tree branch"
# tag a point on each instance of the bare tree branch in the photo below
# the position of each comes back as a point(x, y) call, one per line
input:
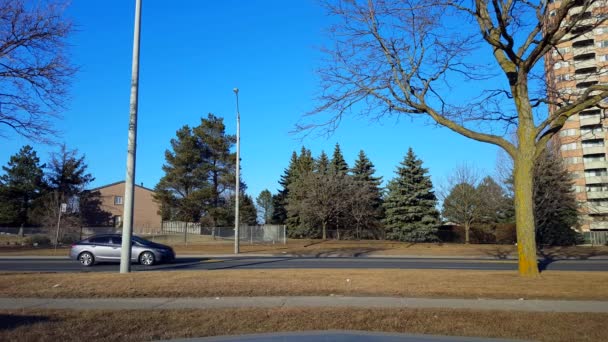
point(34, 69)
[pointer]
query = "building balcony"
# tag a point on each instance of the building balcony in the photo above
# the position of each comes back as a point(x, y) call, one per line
point(590, 120)
point(597, 209)
point(601, 164)
point(586, 71)
point(594, 150)
point(597, 195)
point(599, 225)
point(592, 136)
point(596, 180)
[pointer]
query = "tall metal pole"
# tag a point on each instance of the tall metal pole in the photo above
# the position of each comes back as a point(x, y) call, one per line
point(127, 229)
point(238, 174)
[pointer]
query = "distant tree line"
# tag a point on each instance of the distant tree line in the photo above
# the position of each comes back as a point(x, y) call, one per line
point(322, 195)
point(31, 192)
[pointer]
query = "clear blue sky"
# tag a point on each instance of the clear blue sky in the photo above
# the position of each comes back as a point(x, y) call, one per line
point(193, 53)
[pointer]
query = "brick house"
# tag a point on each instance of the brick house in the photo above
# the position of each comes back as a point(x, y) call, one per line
point(145, 214)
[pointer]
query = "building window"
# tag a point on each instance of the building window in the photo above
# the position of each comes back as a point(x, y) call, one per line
point(593, 143)
point(573, 160)
point(568, 147)
point(602, 44)
point(594, 158)
point(578, 188)
point(592, 130)
point(597, 188)
point(596, 173)
point(561, 78)
point(567, 132)
point(577, 174)
point(117, 200)
point(603, 58)
point(560, 51)
point(601, 30)
point(559, 65)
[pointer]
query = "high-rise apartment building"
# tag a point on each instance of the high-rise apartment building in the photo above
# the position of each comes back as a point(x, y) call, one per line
point(583, 141)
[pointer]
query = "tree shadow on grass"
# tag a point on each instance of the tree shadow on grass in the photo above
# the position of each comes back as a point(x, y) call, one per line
point(337, 252)
point(12, 321)
point(499, 252)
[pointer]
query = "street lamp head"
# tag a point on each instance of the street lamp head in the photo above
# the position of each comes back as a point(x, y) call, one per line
point(236, 90)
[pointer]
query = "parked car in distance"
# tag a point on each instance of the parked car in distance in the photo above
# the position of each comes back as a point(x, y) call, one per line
point(107, 248)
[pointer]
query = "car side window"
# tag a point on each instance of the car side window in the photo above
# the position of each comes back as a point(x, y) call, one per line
point(99, 239)
point(116, 240)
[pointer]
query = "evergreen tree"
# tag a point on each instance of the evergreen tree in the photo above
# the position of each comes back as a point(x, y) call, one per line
point(410, 204)
point(21, 184)
point(264, 202)
point(555, 209)
point(199, 172)
point(322, 164)
point(218, 164)
point(180, 191)
point(248, 213)
point(295, 225)
point(338, 165)
point(279, 201)
point(366, 208)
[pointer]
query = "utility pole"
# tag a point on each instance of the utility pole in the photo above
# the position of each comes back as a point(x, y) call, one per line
point(127, 230)
point(238, 174)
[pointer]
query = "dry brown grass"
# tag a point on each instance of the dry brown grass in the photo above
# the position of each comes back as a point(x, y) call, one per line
point(404, 283)
point(341, 248)
point(67, 325)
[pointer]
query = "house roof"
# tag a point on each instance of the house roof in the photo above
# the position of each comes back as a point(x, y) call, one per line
point(112, 184)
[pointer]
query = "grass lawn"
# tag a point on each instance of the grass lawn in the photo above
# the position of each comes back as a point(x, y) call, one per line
point(202, 245)
point(97, 325)
point(401, 283)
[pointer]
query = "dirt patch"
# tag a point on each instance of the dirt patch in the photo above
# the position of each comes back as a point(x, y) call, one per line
point(97, 325)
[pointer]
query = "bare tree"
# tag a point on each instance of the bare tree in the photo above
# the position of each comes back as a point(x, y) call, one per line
point(408, 56)
point(35, 72)
point(461, 200)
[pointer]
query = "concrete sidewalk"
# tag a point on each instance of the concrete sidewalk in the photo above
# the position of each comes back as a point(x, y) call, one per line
point(302, 301)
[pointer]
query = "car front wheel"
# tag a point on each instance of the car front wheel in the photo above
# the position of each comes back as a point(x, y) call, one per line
point(146, 259)
point(86, 259)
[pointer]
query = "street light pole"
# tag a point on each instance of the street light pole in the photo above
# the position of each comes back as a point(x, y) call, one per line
point(127, 230)
point(238, 173)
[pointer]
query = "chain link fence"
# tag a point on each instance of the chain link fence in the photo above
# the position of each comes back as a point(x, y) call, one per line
point(252, 234)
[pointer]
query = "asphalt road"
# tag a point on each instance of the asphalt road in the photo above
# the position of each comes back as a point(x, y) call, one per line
point(183, 264)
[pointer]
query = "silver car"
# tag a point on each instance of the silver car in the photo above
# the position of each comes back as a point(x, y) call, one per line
point(107, 248)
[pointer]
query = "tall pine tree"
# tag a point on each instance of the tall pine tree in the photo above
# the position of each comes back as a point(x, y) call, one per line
point(322, 164)
point(410, 204)
point(305, 165)
point(338, 165)
point(366, 211)
point(555, 208)
point(199, 172)
point(21, 184)
point(279, 201)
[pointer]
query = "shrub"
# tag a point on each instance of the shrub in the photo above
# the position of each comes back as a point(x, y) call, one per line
point(68, 239)
point(38, 240)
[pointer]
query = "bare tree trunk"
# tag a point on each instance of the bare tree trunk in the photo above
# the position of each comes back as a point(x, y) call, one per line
point(324, 230)
point(467, 228)
point(524, 215)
